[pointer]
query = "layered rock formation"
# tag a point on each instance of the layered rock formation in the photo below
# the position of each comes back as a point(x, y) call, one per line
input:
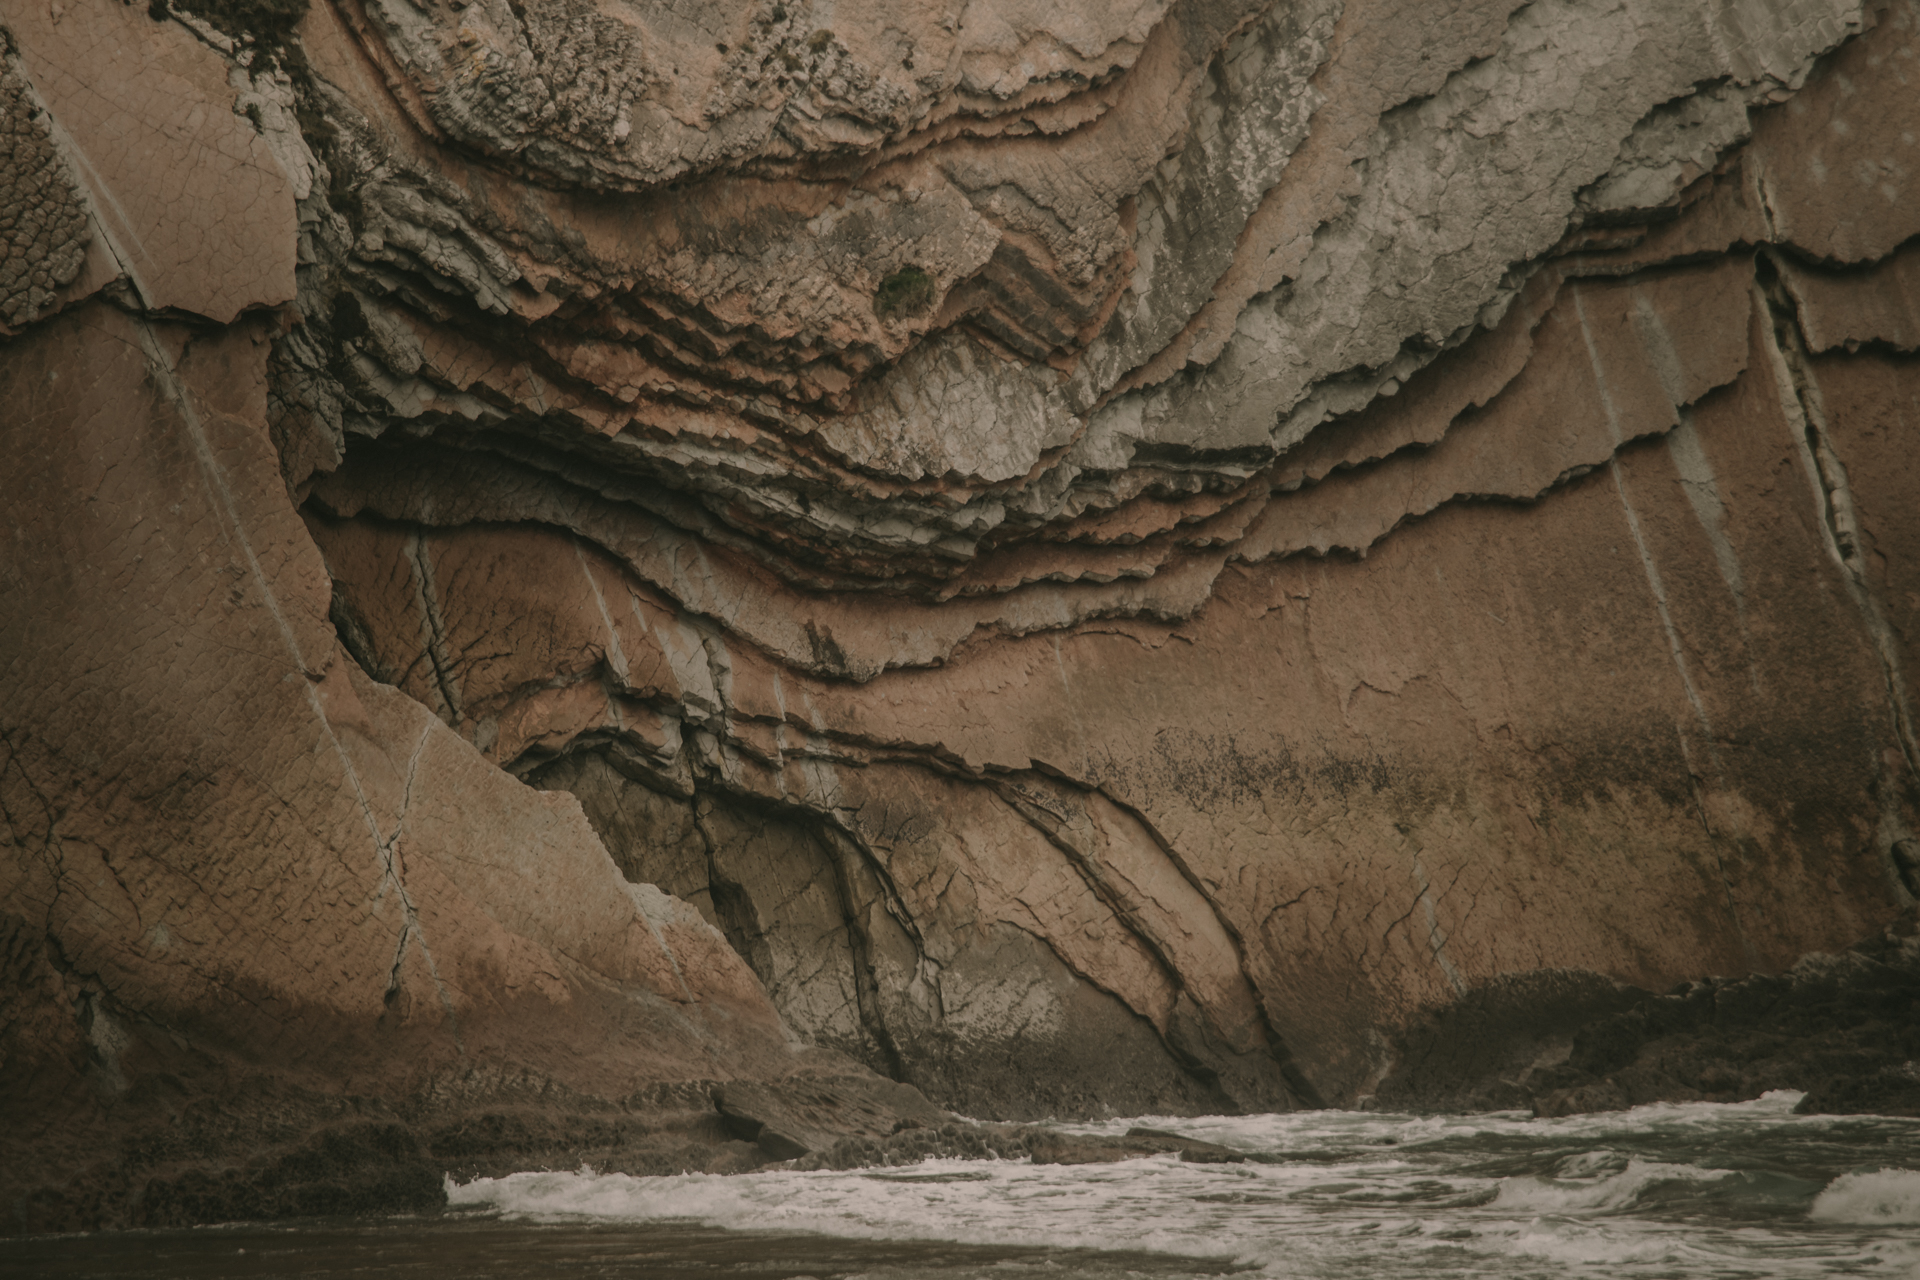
point(1085, 558)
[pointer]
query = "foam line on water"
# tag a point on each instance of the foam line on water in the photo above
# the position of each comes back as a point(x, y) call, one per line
point(988, 1202)
point(1614, 1193)
point(1296, 1130)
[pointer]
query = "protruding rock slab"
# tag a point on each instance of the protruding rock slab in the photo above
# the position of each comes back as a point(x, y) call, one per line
point(804, 1115)
point(196, 209)
point(230, 857)
point(1053, 1147)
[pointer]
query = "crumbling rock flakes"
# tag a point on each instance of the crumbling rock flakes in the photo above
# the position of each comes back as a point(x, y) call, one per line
point(44, 225)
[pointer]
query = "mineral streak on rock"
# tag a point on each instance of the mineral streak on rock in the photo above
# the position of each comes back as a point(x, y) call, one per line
point(641, 582)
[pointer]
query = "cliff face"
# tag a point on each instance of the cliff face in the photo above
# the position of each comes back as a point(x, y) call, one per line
point(1081, 556)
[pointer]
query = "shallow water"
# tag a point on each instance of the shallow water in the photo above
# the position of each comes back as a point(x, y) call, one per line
point(1685, 1190)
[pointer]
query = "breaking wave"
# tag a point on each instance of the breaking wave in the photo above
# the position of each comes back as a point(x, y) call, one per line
point(1888, 1197)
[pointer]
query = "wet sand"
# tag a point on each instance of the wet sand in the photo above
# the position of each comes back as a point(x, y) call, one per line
point(459, 1246)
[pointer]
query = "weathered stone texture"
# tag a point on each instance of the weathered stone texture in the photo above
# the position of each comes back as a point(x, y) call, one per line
point(236, 841)
point(42, 217)
point(193, 204)
point(569, 563)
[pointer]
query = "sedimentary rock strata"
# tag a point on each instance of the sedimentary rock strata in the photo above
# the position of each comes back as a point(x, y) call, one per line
point(566, 563)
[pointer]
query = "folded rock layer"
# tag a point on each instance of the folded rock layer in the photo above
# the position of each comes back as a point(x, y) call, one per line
point(585, 581)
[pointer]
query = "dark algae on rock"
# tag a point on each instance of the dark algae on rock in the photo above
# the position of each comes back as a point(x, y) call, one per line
point(1843, 1028)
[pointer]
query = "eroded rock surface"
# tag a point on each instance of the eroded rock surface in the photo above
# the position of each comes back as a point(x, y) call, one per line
point(575, 572)
point(41, 211)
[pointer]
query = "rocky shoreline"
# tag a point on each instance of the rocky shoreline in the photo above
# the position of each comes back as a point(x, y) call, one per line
point(1841, 1028)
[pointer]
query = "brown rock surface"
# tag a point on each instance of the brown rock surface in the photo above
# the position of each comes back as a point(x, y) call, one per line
point(194, 205)
point(247, 864)
point(570, 570)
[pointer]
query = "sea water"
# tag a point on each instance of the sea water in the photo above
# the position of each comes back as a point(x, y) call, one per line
point(1669, 1190)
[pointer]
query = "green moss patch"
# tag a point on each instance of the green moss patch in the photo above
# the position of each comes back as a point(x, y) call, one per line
point(907, 292)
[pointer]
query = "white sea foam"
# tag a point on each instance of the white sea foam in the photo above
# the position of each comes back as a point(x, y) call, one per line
point(986, 1202)
point(1577, 1243)
point(1345, 1193)
point(1888, 1197)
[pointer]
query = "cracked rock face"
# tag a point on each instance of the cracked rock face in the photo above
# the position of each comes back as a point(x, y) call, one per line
point(570, 560)
point(41, 213)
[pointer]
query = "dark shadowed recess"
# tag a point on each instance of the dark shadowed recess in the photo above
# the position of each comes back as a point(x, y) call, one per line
point(1843, 1028)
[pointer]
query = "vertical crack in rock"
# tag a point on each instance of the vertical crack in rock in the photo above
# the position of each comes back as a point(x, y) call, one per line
point(393, 875)
point(850, 860)
point(1826, 473)
point(427, 595)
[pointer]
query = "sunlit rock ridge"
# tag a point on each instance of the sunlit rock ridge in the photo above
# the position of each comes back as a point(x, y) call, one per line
point(592, 581)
